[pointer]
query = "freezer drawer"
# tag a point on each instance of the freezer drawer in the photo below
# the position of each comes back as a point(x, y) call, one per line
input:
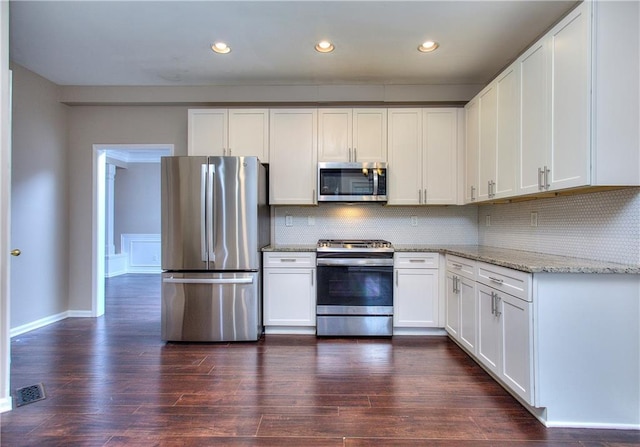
point(210, 307)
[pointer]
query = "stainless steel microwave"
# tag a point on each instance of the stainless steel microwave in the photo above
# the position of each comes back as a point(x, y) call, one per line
point(352, 182)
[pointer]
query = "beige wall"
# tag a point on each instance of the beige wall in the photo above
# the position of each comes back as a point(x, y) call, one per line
point(137, 201)
point(39, 212)
point(91, 125)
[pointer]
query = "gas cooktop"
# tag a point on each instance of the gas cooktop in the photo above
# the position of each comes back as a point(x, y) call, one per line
point(341, 245)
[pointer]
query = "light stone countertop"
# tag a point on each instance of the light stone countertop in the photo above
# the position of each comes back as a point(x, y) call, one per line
point(526, 261)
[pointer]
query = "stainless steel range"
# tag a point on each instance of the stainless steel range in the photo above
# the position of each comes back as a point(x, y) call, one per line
point(354, 288)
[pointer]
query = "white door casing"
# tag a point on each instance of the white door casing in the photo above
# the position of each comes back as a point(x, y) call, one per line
point(5, 207)
point(98, 227)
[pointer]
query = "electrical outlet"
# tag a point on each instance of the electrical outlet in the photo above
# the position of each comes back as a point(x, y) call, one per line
point(487, 220)
point(311, 220)
point(414, 221)
point(288, 220)
point(534, 218)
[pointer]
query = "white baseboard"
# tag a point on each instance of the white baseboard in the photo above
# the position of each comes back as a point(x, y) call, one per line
point(290, 330)
point(6, 404)
point(49, 320)
point(13, 332)
point(419, 331)
point(80, 314)
point(115, 265)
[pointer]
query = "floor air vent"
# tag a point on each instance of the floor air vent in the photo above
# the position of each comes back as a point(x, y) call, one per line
point(28, 394)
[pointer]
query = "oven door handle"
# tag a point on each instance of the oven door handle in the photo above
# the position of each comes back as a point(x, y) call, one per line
point(372, 262)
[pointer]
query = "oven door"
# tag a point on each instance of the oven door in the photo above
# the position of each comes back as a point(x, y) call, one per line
point(354, 286)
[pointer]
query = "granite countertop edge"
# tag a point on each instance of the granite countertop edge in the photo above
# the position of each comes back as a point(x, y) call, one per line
point(525, 261)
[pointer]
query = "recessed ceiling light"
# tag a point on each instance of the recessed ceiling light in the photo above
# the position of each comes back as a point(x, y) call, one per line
point(221, 48)
point(428, 46)
point(324, 46)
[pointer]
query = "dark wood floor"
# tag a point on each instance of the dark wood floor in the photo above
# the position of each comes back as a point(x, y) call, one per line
point(111, 381)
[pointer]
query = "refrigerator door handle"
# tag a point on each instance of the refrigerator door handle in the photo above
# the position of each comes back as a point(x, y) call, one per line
point(247, 280)
point(203, 211)
point(211, 230)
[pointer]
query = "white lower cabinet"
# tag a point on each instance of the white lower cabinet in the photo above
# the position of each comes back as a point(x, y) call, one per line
point(505, 339)
point(289, 292)
point(461, 308)
point(495, 327)
point(415, 290)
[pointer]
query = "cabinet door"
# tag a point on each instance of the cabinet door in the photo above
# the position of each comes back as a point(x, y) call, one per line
point(369, 135)
point(472, 141)
point(405, 157)
point(289, 297)
point(468, 313)
point(440, 149)
point(516, 368)
point(293, 143)
point(534, 117)
point(452, 306)
point(570, 158)
point(335, 134)
point(488, 140)
point(489, 330)
point(207, 132)
point(249, 133)
point(415, 299)
point(507, 139)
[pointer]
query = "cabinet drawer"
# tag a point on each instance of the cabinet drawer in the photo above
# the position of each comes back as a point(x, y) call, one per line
point(415, 260)
point(289, 259)
point(461, 266)
point(510, 281)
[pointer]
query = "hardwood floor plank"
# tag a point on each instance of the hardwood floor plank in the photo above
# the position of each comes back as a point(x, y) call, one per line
point(111, 381)
point(239, 441)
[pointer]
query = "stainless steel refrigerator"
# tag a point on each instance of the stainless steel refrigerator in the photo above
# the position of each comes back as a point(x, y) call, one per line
point(215, 220)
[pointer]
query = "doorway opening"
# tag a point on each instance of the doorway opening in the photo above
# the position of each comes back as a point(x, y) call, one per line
point(105, 156)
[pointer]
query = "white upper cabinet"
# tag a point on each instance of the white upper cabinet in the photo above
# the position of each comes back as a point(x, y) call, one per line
point(534, 118)
point(488, 136)
point(568, 160)
point(498, 136)
point(472, 147)
point(507, 138)
point(575, 82)
point(293, 135)
point(552, 120)
point(423, 156)
point(405, 156)
point(207, 131)
point(350, 135)
point(249, 133)
point(441, 150)
point(242, 132)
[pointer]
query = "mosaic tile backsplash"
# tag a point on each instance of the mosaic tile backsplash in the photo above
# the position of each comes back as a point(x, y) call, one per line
point(433, 225)
point(603, 226)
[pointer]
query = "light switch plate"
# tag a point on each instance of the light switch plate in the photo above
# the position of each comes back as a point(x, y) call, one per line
point(288, 220)
point(414, 221)
point(311, 220)
point(487, 220)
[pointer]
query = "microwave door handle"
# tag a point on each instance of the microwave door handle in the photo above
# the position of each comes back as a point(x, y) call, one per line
point(203, 213)
point(375, 182)
point(211, 208)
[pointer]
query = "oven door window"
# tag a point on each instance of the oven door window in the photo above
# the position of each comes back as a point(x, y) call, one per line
point(355, 286)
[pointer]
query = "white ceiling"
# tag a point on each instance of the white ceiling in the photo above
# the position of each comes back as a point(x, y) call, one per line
point(168, 42)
